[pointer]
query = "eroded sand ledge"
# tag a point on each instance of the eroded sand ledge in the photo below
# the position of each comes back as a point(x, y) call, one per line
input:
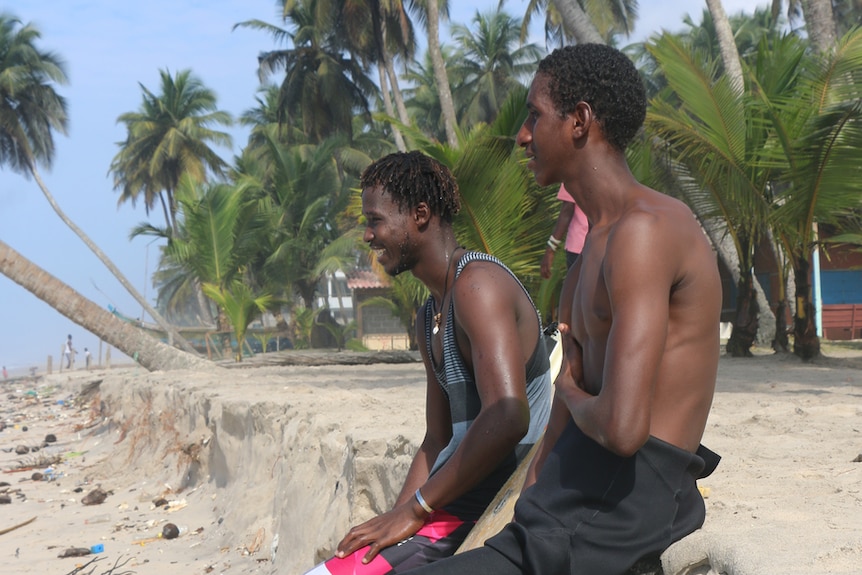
point(295, 455)
point(297, 452)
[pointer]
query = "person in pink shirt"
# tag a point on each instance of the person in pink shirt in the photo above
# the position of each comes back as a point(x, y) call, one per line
point(573, 223)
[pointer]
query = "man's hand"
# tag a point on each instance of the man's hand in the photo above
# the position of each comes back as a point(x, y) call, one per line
point(381, 532)
point(547, 262)
point(572, 371)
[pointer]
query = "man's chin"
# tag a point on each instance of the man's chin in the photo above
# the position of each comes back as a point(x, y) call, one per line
point(394, 271)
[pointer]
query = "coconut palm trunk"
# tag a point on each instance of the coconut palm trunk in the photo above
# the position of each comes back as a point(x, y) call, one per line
point(820, 23)
point(726, 45)
point(137, 344)
point(390, 110)
point(806, 344)
point(173, 335)
point(446, 104)
point(577, 22)
point(746, 321)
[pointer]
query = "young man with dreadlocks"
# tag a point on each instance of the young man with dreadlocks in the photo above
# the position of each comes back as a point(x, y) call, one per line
point(487, 367)
point(614, 479)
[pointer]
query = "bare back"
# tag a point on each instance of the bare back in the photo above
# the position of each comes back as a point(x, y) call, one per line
point(645, 312)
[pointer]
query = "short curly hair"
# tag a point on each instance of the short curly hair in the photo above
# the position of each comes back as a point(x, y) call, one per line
point(413, 177)
point(604, 78)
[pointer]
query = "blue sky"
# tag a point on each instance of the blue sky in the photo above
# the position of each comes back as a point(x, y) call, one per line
point(109, 48)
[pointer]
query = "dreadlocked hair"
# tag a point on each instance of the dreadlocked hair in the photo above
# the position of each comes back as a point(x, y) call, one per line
point(412, 177)
point(604, 78)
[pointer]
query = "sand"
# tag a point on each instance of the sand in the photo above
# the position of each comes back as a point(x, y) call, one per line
point(265, 468)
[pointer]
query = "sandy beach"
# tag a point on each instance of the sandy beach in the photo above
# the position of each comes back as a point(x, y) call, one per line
point(262, 469)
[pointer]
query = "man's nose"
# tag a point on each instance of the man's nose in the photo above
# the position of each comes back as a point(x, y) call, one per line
point(523, 137)
point(367, 235)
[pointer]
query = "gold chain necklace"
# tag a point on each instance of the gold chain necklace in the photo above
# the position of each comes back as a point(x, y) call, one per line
point(438, 317)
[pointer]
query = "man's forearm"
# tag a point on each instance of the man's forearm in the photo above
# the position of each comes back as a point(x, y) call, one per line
point(493, 434)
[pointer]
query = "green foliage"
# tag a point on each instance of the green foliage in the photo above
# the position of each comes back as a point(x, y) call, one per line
point(219, 233)
point(341, 333)
point(301, 192)
point(323, 87)
point(303, 324)
point(491, 63)
point(240, 305)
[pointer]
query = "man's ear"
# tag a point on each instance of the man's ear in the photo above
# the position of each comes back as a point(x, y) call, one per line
point(581, 119)
point(421, 214)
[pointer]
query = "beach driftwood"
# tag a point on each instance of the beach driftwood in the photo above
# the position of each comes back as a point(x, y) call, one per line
point(14, 527)
point(317, 357)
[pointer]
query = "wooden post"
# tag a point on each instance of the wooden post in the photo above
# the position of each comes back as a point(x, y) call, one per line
point(48, 365)
point(108, 358)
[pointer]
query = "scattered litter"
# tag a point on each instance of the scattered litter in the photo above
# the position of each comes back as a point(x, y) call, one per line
point(95, 497)
point(74, 552)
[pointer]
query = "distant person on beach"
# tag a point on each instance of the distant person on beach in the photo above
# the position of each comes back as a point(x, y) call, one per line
point(614, 479)
point(87, 357)
point(486, 363)
point(571, 222)
point(68, 352)
point(5, 373)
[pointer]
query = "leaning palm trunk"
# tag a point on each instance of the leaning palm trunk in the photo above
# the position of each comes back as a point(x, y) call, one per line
point(137, 344)
point(169, 329)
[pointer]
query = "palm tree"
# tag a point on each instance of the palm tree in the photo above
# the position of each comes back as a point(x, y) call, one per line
point(137, 344)
point(818, 135)
point(241, 307)
point(783, 154)
point(170, 135)
point(423, 97)
point(219, 233)
point(322, 88)
point(703, 38)
point(303, 190)
point(377, 32)
point(30, 111)
point(715, 141)
point(491, 63)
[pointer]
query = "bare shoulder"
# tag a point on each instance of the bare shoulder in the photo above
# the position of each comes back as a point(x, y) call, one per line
point(481, 279)
point(649, 221)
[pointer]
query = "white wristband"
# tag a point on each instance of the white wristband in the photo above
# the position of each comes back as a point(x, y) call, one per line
point(422, 502)
point(552, 245)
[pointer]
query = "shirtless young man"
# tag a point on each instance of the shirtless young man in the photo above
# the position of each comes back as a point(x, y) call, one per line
point(614, 479)
point(488, 374)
